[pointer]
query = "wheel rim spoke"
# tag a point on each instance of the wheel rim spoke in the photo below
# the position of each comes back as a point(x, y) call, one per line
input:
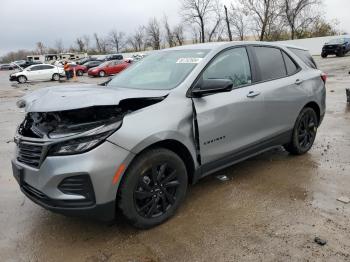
point(152, 209)
point(173, 183)
point(170, 177)
point(164, 203)
point(143, 194)
point(169, 197)
point(146, 205)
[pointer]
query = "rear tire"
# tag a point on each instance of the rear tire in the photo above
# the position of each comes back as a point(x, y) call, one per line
point(153, 188)
point(324, 55)
point(304, 132)
point(55, 77)
point(102, 73)
point(80, 72)
point(21, 79)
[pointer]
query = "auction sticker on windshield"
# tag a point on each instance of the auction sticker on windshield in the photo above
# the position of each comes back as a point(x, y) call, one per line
point(189, 60)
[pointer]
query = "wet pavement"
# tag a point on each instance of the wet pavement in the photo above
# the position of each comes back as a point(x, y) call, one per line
point(271, 208)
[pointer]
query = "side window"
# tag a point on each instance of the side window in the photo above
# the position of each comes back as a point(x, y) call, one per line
point(44, 67)
point(292, 68)
point(270, 62)
point(304, 56)
point(35, 68)
point(232, 64)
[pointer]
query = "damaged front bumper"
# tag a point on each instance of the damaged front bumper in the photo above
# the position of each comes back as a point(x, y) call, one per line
point(13, 78)
point(79, 184)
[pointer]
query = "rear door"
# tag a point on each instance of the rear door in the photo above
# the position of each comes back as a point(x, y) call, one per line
point(230, 122)
point(281, 80)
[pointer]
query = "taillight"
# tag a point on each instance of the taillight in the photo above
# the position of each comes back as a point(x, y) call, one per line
point(324, 77)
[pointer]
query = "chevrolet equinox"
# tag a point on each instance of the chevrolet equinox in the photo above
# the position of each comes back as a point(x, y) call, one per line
point(180, 114)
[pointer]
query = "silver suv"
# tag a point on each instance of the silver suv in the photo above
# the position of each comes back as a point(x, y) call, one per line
point(167, 121)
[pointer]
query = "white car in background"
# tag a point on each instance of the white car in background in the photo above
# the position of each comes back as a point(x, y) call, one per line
point(38, 73)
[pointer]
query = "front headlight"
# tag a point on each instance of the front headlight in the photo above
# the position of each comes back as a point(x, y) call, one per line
point(84, 143)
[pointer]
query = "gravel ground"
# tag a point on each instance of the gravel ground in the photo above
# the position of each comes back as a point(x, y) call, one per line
point(271, 208)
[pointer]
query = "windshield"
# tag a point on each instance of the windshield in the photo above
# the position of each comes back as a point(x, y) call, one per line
point(162, 70)
point(337, 41)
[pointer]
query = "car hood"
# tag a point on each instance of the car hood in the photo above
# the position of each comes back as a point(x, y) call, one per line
point(70, 97)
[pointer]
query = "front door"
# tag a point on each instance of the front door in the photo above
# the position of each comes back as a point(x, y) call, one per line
point(232, 121)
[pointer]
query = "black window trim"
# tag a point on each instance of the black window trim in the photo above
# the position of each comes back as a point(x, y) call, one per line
point(251, 65)
point(295, 63)
point(258, 67)
point(290, 48)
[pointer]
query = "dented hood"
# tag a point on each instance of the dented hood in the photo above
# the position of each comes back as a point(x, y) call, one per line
point(61, 98)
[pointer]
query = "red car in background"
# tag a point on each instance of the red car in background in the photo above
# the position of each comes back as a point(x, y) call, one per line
point(79, 69)
point(109, 68)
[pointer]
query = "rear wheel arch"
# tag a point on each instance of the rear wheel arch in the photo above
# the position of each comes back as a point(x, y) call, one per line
point(316, 108)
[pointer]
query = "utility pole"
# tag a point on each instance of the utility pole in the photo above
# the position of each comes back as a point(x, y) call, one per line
point(228, 24)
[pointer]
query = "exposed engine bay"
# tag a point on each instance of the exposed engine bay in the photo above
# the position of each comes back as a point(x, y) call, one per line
point(51, 125)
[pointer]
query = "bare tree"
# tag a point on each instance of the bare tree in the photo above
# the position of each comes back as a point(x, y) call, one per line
point(80, 44)
point(216, 17)
point(179, 34)
point(169, 34)
point(137, 40)
point(117, 40)
point(101, 44)
point(239, 21)
point(228, 24)
point(297, 15)
point(153, 33)
point(40, 47)
point(86, 40)
point(197, 11)
point(59, 46)
point(263, 13)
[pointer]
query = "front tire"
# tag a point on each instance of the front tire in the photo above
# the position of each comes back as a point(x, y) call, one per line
point(153, 188)
point(102, 73)
point(80, 72)
point(304, 132)
point(324, 55)
point(21, 79)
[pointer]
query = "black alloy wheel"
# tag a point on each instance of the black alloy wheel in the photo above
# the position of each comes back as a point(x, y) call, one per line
point(304, 132)
point(307, 130)
point(152, 188)
point(156, 190)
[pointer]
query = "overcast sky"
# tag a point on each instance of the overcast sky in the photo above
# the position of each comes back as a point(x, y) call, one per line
point(25, 22)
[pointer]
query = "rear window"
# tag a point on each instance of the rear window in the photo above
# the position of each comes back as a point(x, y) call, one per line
point(292, 68)
point(270, 62)
point(304, 56)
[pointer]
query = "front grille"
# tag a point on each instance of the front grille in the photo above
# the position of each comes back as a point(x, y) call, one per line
point(30, 153)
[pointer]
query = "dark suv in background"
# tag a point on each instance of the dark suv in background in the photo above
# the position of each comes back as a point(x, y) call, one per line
point(338, 47)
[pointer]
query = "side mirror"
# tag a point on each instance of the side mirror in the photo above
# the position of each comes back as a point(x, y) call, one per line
point(29, 70)
point(211, 86)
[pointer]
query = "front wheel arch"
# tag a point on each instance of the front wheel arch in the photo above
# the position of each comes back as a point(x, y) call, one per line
point(178, 148)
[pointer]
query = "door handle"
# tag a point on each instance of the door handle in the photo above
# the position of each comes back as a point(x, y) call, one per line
point(253, 94)
point(298, 81)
